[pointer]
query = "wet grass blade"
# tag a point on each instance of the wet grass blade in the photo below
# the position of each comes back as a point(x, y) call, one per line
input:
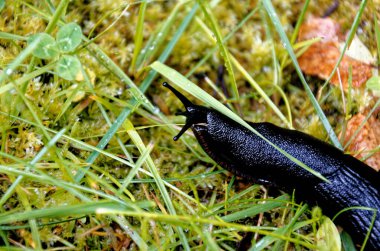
point(286, 43)
point(350, 36)
point(222, 47)
point(256, 209)
point(66, 211)
point(252, 82)
point(139, 34)
point(268, 240)
point(135, 137)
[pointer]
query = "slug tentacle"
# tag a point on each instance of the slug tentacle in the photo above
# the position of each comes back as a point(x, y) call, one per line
point(184, 100)
point(235, 148)
point(194, 113)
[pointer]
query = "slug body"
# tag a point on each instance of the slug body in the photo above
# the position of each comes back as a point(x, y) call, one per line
point(351, 182)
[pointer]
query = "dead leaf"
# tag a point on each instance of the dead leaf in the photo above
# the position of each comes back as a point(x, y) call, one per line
point(366, 140)
point(325, 28)
point(321, 57)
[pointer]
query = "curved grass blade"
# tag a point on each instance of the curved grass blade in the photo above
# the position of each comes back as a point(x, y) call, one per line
point(7, 72)
point(268, 240)
point(285, 41)
point(139, 34)
point(135, 137)
point(66, 211)
point(222, 47)
point(252, 82)
point(350, 36)
point(256, 209)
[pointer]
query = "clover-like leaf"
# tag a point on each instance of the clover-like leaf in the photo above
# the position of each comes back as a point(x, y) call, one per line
point(46, 48)
point(68, 67)
point(69, 37)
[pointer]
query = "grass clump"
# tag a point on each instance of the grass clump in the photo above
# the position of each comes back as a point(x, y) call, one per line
point(87, 157)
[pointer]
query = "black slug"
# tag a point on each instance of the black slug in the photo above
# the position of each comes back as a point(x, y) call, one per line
point(237, 149)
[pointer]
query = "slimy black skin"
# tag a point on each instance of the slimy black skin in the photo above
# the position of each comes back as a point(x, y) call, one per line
point(240, 151)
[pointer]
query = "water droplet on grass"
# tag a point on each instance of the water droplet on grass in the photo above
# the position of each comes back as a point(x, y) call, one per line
point(9, 71)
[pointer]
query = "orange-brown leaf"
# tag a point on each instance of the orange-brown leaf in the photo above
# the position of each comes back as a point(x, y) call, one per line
point(366, 140)
point(321, 57)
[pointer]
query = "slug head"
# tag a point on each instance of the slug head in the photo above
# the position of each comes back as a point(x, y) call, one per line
point(195, 114)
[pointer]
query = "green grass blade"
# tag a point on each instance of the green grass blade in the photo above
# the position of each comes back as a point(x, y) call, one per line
point(40, 154)
point(277, 24)
point(156, 40)
point(168, 49)
point(26, 77)
point(256, 209)
point(268, 240)
point(225, 39)
point(135, 169)
point(222, 47)
point(347, 242)
point(10, 36)
point(138, 97)
point(377, 34)
point(251, 81)
point(299, 22)
point(186, 220)
point(107, 62)
point(372, 221)
point(23, 198)
point(139, 34)
point(22, 195)
point(350, 36)
point(171, 180)
point(72, 188)
point(129, 229)
point(262, 93)
point(59, 12)
point(7, 71)
point(83, 145)
point(65, 211)
point(106, 138)
point(359, 128)
point(135, 137)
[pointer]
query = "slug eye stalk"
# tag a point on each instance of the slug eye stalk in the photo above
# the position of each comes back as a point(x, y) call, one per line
point(194, 113)
point(187, 103)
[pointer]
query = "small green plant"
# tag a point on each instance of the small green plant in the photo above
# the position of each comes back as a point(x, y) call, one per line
point(328, 236)
point(67, 40)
